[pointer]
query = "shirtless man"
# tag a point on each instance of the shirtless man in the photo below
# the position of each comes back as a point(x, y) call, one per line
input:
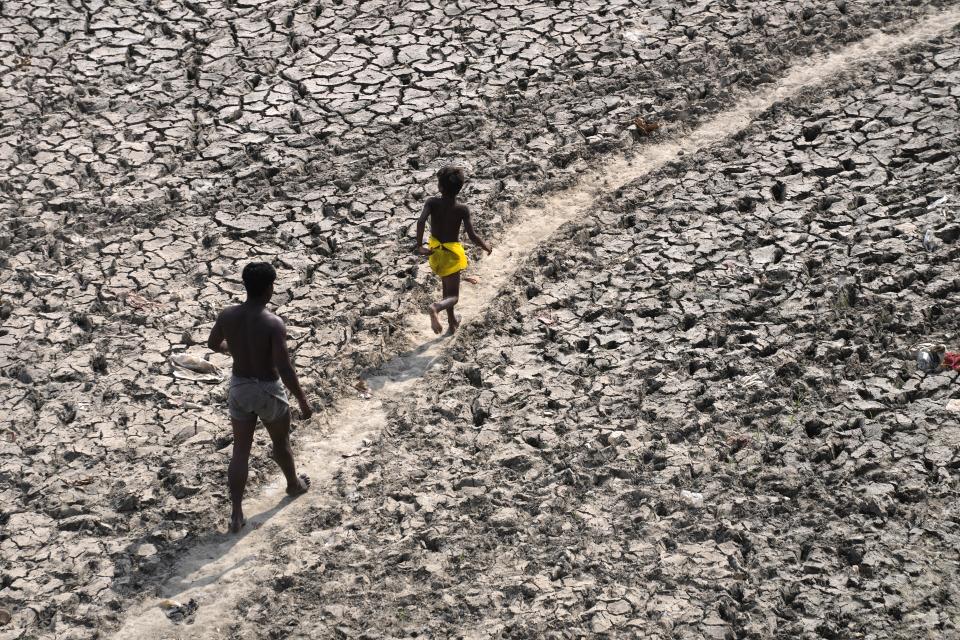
point(447, 257)
point(257, 340)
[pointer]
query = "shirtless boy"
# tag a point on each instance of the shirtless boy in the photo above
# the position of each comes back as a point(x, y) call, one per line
point(447, 257)
point(257, 340)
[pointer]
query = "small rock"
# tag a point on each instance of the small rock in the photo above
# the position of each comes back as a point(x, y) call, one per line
point(692, 498)
point(505, 518)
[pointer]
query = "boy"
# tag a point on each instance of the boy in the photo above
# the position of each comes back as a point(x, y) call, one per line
point(447, 257)
point(257, 339)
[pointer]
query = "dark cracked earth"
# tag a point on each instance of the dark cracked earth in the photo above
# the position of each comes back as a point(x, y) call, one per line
point(693, 412)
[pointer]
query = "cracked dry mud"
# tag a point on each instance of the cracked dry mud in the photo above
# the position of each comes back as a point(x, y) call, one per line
point(698, 417)
point(756, 306)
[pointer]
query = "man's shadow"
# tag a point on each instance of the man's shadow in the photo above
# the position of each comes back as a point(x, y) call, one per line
point(192, 556)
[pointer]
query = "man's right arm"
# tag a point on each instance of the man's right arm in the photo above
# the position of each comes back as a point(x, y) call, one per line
point(217, 340)
point(281, 360)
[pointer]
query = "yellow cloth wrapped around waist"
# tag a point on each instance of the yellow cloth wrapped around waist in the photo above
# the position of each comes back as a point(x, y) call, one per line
point(447, 257)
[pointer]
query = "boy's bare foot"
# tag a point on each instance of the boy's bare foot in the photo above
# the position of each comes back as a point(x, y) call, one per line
point(471, 279)
point(452, 329)
point(237, 522)
point(435, 321)
point(303, 484)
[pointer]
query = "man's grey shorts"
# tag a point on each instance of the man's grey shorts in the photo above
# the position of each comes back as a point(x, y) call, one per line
point(251, 398)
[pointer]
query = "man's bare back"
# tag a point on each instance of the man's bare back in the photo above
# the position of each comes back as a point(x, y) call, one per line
point(250, 332)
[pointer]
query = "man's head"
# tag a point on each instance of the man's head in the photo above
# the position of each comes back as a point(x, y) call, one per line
point(258, 278)
point(451, 180)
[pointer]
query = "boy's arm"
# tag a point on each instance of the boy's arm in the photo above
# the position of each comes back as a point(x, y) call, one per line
point(281, 360)
point(421, 226)
point(217, 341)
point(471, 233)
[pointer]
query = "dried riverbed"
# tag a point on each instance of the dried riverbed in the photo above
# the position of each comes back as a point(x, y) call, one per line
point(147, 154)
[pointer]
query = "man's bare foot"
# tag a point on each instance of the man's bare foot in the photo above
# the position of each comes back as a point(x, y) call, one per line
point(435, 321)
point(237, 522)
point(471, 279)
point(303, 484)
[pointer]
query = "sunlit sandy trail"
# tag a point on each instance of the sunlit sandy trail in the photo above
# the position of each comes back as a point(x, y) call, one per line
point(219, 572)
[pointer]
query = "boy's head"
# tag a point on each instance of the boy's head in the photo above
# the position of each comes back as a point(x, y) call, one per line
point(258, 278)
point(451, 180)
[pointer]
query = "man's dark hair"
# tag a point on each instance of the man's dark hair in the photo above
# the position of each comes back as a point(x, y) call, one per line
point(451, 180)
point(257, 278)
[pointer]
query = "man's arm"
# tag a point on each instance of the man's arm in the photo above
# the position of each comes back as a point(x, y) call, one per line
point(217, 341)
point(281, 360)
point(421, 226)
point(471, 233)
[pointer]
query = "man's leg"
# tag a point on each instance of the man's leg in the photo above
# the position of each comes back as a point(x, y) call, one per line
point(239, 465)
point(279, 431)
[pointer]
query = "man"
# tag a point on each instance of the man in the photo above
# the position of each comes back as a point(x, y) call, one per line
point(257, 340)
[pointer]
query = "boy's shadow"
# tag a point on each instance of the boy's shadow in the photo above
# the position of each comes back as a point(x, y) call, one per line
point(407, 366)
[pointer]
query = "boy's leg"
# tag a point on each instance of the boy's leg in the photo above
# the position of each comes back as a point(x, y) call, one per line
point(451, 292)
point(279, 431)
point(237, 471)
point(434, 318)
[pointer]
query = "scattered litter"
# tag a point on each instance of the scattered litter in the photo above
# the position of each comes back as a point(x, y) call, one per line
point(546, 319)
point(178, 612)
point(137, 301)
point(930, 240)
point(692, 498)
point(929, 357)
point(935, 357)
point(195, 368)
point(951, 360)
point(643, 127)
point(194, 363)
point(5, 617)
point(364, 389)
point(953, 406)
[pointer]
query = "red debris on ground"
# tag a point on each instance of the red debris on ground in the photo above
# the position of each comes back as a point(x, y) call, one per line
point(951, 360)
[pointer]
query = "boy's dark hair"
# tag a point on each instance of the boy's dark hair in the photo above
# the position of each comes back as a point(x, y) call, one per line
point(257, 278)
point(451, 180)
